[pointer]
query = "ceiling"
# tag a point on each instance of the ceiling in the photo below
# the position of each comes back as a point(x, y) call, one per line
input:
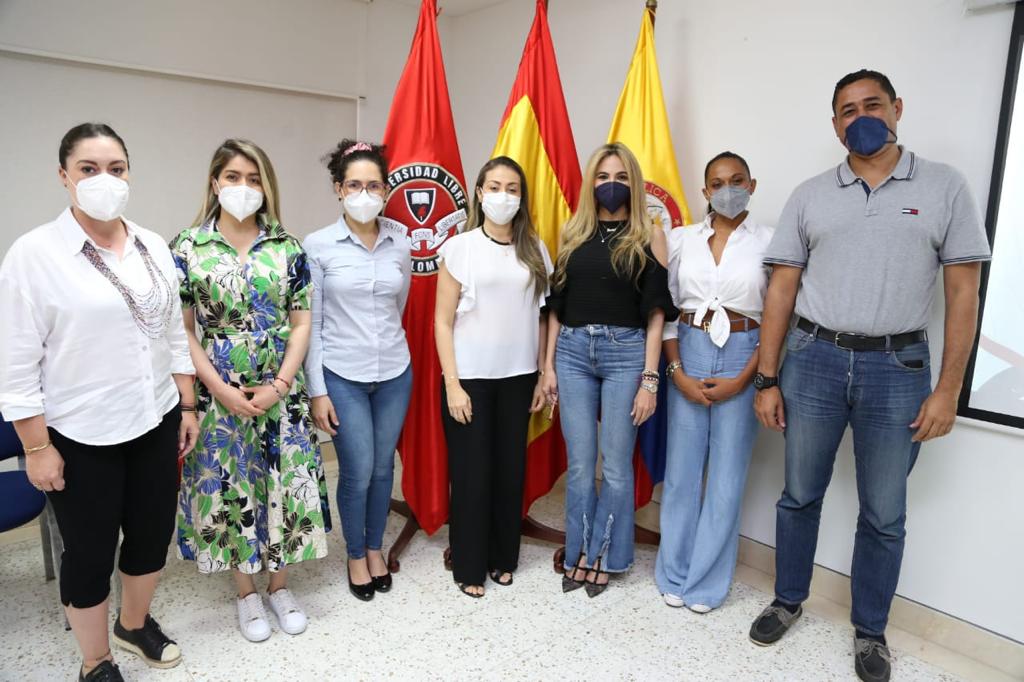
point(454, 8)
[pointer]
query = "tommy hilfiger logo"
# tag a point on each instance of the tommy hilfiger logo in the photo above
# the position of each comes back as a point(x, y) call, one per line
point(909, 211)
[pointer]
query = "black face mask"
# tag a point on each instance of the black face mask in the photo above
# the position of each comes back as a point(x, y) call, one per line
point(611, 195)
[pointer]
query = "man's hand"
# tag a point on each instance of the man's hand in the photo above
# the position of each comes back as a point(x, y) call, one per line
point(770, 409)
point(935, 418)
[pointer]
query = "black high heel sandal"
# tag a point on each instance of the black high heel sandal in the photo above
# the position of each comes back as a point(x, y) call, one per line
point(595, 588)
point(569, 582)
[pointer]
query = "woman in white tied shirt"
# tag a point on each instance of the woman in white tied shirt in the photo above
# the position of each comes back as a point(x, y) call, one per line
point(718, 281)
point(96, 376)
point(360, 376)
point(490, 336)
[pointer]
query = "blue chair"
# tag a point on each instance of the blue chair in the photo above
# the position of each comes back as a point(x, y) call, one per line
point(22, 502)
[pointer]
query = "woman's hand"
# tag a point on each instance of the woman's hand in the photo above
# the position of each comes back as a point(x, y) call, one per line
point(188, 433)
point(324, 415)
point(263, 397)
point(45, 469)
point(459, 405)
point(539, 399)
point(236, 402)
point(692, 389)
point(643, 406)
point(549, 387)
point(722, 388)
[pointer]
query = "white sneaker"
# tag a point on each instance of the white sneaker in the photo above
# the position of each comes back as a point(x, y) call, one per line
point(252, 619)
point(700, 608)
point(672, 600)
point(289, 614)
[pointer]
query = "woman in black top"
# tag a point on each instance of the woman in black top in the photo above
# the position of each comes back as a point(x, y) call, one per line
point(610, 301)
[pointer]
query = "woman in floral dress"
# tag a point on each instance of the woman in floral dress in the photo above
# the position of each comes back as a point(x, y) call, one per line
point(253, 493)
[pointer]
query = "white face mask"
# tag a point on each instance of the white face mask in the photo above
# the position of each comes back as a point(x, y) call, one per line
point(102, 197)
point(500, 207)
point(363, 207)
point(240, 201)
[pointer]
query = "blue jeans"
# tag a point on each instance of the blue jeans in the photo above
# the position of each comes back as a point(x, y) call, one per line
point(699, 541)
point(598, 370)
point(371, 416)
point(878, 393)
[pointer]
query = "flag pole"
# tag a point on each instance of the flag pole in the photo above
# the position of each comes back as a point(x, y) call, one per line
point(653, 6)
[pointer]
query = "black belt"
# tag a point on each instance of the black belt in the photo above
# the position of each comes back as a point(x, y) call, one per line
point(859, 341)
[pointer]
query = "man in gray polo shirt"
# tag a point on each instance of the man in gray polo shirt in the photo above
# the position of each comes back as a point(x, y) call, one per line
point(857, 250)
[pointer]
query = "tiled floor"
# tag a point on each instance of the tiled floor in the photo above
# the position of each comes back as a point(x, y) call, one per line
point(425, 629)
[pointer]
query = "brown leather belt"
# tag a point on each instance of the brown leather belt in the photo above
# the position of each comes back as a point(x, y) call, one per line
point(736, 324)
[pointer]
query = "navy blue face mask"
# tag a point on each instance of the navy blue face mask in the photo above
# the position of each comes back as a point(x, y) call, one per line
point(866, 135)
point(611, 195)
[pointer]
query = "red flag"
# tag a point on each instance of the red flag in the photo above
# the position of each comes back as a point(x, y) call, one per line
point(429, 199)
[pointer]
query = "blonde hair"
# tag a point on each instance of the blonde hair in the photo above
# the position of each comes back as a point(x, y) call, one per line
point(628, 251)
point(229, 149)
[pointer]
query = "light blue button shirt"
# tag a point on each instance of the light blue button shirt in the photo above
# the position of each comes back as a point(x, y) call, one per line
point(358, 299)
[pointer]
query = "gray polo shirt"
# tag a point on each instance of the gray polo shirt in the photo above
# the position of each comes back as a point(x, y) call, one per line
point(870, 257)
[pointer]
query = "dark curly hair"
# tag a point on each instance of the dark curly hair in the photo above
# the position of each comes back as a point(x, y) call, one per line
point(347, 151)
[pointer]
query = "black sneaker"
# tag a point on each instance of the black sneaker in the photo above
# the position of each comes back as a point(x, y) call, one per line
point(104, 672)
point(149, 643)
point(871, 660)
point(772, 624)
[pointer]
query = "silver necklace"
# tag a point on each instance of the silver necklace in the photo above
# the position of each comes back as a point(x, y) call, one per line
point(607, 234)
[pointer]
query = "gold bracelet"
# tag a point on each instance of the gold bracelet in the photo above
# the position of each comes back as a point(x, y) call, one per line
point(29, 451)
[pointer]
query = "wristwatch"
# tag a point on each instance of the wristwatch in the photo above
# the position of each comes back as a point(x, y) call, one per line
point(762, 382)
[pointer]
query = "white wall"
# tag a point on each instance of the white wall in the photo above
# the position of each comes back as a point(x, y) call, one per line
point(757, 78)
point(333, 46)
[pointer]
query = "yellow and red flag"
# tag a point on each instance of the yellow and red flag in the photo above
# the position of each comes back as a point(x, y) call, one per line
point(535, 132)
point(641, 123)
point(428, 198)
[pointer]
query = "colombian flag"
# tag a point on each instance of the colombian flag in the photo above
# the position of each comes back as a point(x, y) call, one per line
point(535, 132)
point(641, 123)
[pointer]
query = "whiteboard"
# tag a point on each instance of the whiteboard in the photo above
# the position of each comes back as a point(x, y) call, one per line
point(171, 126)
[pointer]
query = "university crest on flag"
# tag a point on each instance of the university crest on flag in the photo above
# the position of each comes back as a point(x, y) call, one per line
point(663, 209)
point(431, 203)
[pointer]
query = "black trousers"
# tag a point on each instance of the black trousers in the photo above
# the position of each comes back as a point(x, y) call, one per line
point(130, 486)
point(486, 466)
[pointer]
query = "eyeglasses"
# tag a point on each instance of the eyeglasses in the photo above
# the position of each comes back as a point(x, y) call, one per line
point(374, 187)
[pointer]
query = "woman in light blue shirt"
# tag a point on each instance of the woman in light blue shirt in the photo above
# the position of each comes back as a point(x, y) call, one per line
point(358, 364)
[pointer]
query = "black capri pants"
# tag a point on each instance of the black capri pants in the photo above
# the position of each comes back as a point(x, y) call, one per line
point(130, 486)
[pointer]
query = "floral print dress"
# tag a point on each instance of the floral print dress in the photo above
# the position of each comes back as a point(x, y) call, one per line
point(253, 492)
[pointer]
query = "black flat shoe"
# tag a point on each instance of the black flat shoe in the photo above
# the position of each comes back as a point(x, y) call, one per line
point(381, 583)
point(362, 592)
point(149, 643)
point(104, 672)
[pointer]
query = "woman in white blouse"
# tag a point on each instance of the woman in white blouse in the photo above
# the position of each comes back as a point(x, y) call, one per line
point(718, 283)
point(490, 340)
point(96, 376)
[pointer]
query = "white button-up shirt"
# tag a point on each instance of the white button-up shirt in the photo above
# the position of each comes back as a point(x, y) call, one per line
point(359, 296)
point(699, 285)
point(71, 350)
